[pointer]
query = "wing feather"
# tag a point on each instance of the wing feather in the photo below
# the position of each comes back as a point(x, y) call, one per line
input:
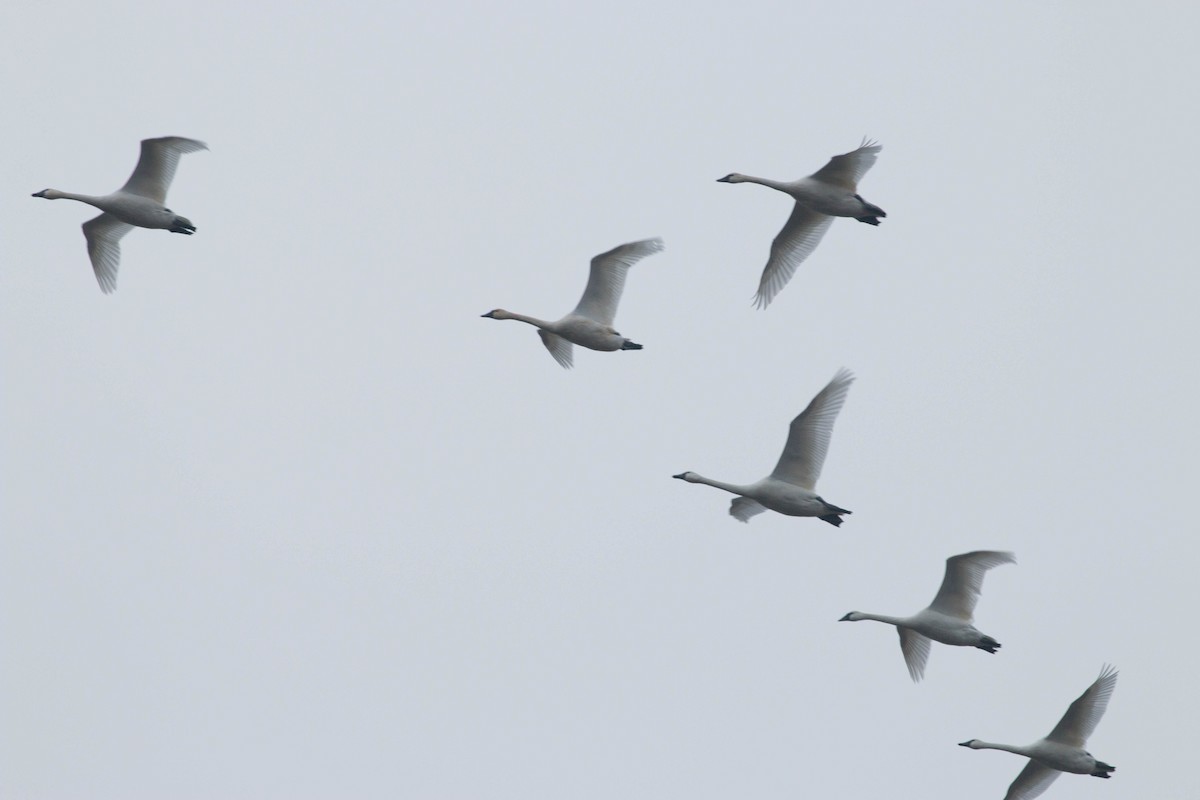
point(559, 347)
point(809, 434)
point(606, 280)
point(963, 581)
point(847, 169)
point(103, 234)
point(795, 242)
point(1084, 714)
point(1032, 781)
point(915, 647)
point(743, 508)
point(156, 167)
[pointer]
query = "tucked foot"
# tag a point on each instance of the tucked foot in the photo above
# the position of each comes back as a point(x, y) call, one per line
point(1103, 769)
point(188, 230)
point(628, 345)
point(988, 645)
point(868, 220)
point(833, 519)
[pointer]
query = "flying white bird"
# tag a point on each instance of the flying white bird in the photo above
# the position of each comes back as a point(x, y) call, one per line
point(590, 324)
point(1062, 750)
point(948, 617)
point(791, 488)
point(139, 203)
point(831, 191)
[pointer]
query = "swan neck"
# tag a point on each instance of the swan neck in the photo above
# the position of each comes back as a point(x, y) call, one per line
point(897, 621)
point(780, 186)
point(729, 487)
point(1010, 748)
point(538, 323)
point(91, 200)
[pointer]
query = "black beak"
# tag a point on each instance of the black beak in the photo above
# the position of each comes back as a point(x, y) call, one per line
point(723, 180)
point(680, 475)
point(845, 618)
point(965, 744)
point(38, 194)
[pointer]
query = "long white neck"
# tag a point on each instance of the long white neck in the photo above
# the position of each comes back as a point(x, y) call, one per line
point(1010, 748)
point(729, 487)
point(882, 618)
point(91, 200)
point(538, 323)
point(781, 186)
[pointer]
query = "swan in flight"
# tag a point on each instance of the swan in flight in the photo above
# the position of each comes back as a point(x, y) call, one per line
point(139, 203)
point(1063, 748)
point(791, 488)
point(590, 324)
point(831, 191)
point(948, 617)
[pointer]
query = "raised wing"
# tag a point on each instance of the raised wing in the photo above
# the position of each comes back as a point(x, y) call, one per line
point(964, 581)
point(607, 279)
point(809, 434)
point(156, 168)
point(1084, 714)
point(800, 236)
point(103, 235)
point(915, 647)
point(559, 347)
point(743, 508)
point(847, 169)
point(1032, 781)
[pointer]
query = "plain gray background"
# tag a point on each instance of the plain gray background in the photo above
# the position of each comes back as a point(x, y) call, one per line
point(284, 518)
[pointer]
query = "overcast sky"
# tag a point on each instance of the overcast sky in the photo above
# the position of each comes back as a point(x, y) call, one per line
point(284, 518)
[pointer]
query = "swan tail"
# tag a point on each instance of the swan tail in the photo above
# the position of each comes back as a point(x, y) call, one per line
point(872, 213)
point(988, 644)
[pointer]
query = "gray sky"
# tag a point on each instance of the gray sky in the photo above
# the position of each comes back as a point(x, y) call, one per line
point(284, 518)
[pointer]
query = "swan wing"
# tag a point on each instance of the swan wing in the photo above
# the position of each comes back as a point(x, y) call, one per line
point(559, 347)
point(1032, 781)
point(915, 647)
point(1084, 714)
point(103, 235)
point(743, 508)
point(847, 169)
point(964, 581)
point(800, 236)
point(156, 167)
point(809, 434)
point(607, 279)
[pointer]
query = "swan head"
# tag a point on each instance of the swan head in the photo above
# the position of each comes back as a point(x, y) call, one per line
point(498, 313)
point(853, 616)
point(49, 194)
point(733, 177)
point(690, 477)
point(974, 744)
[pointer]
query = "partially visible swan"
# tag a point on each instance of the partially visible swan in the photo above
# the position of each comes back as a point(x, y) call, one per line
point(139, 203)
point(831, 191)
point(791, 488)
point(948, 617)
point(1062, 750)
point(590, 324)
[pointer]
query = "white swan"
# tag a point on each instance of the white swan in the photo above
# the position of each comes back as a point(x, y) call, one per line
point(590, 324)
point(139, 203)
point(831, 191)
point(1061, 750)
point(948, 617)
point(790, 489)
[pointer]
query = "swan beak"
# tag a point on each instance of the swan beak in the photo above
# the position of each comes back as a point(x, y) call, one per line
point(846, 618)
point(966, 743)
point(42, 193)
point(679, 476)
point(725, 179)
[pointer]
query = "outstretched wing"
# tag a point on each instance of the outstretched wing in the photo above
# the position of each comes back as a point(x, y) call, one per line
point(847, 169)
point(964, 581)
point(1084, 714)
point(607, 279)
point(156, 168)
point(809, 434)
point(1032, 781)
point(743, 508)
point(559, 347)
point(915, 647)
point(103, 234)
point(800, 236)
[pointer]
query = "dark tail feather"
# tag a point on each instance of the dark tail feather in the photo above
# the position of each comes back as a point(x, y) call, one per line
point(832, 519)
point(988, 644)
point(628, 345)
point(1103, 769)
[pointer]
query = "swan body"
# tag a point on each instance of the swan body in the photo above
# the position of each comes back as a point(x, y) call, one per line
point(137, 204)
point(791, 488)
point(948, 617)
point(1062, 750)
point(590, 325)
point(831, 191)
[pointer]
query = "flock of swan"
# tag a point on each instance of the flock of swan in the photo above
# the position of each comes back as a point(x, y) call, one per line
point(790, 489)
